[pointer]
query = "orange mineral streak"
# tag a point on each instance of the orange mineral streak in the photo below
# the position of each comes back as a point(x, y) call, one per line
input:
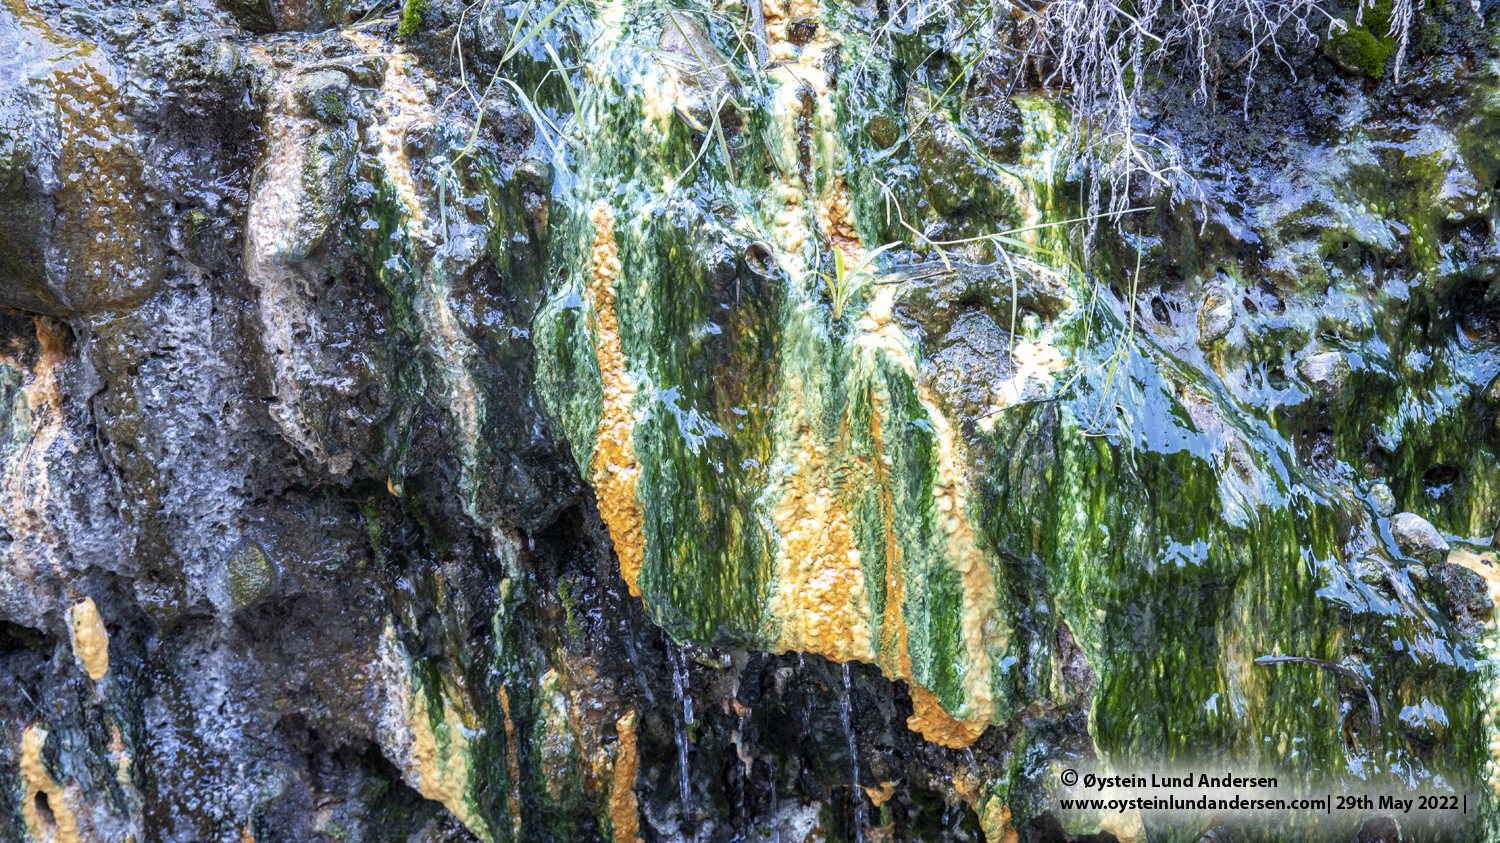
point(882, 794)
point(930, 719)
point(512, 763)
point(838, 223)
point(615, 469)
point(934, 724)
point(624, 811)
point(820, 595)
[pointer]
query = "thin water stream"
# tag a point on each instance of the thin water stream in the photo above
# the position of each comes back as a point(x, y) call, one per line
point(846, 702)
point(682, 720)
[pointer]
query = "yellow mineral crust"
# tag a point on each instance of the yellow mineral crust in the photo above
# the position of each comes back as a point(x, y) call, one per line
point(90, 639)
point(658, 96)
point(789, 228)
point(776, 17)
point(1491, 706)
point(27, 488)
point(966, 786)
point(279, 209)
point(1035, 363)
point(402, 106)
point(612, 15)
point(819, 598)
point(880, 335)
point(834, 217)
point(779, 13)
point(793, 80)
point(615, 469)
point(820, 595)
point(433, 753)
point(442, 762)
point(623, 810)
point(934, 724)
point(1486, 565)
point(880, 795)
point(793, 75)
point(979, 622)
point(995, 820)
point(58, 823)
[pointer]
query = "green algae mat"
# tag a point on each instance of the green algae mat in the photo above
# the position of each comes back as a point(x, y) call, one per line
point(850, 378)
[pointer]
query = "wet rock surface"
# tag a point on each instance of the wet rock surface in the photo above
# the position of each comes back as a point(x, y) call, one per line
point(1417, 537)
point(1328, 371)
point(305, 379)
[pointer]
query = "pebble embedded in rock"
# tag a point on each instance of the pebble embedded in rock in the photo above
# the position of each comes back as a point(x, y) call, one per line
point(324, 95)
point(883, 130)
point(247, 575)
point(1328, 371)
point(1418, 574)
point(1468, 597)
point(1417, 538)
point(1369, 573)
point(1215, 318)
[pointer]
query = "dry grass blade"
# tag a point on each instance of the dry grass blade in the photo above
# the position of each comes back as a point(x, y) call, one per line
point(517, 46)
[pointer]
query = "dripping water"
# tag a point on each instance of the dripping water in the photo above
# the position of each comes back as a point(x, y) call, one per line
point(775, 803)
point(635, 662)
point(846, 704)
point(743, 771)
point(806, 709)
point(679, 684)
point(680, 724)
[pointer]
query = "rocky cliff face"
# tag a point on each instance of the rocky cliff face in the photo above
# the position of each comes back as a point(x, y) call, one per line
point(604, 422)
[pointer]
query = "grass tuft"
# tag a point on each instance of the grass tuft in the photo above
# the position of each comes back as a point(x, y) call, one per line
point(411, 18)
